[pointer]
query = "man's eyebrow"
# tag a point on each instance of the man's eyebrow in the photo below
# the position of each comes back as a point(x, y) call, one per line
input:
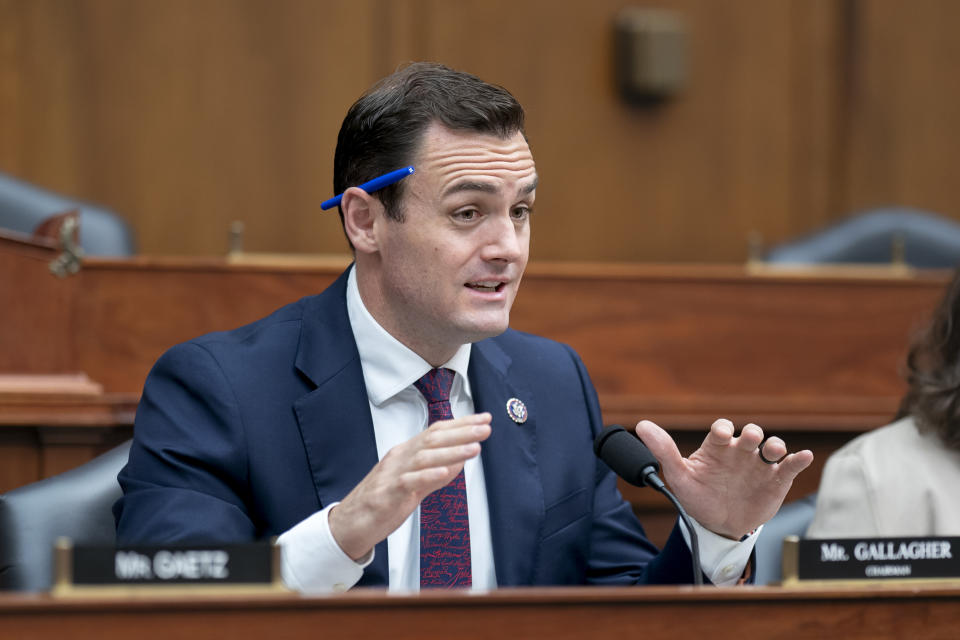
point(485, 187)
point(527, 190)
point(469, 185)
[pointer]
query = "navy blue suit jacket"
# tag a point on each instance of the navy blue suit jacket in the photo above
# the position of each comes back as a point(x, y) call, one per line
point(242, 434)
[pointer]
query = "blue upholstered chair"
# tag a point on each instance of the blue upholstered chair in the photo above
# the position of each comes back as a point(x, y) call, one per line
point(792, 519)
point(76, 504)
point(925, 239)
point(24, 206)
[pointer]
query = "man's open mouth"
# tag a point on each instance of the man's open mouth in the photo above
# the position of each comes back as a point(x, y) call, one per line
point(486, 286)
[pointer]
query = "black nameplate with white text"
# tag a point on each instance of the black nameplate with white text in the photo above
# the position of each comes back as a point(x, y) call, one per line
point(878, 558)
point(155, 565)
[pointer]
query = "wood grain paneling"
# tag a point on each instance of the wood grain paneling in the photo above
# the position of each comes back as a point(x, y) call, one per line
point(666, 340)
point(874, 612)
point(687, 180)
point(904, 106)
point(36, 310)
point(20, 454)
point(187, 115)
point(133, 315)
point(184, 115)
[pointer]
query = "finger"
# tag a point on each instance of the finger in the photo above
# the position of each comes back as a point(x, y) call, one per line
point(425, 481)
point(750, 438)
point(720, 434)
point(773, 448)
point(461, 434)
point(473, 428)
point(426, 458)
point(661, 445)
point(453, 423)
point(794, 463)
point(450, 445)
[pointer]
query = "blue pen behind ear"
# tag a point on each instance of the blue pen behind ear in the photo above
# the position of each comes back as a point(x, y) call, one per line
point(376, 184)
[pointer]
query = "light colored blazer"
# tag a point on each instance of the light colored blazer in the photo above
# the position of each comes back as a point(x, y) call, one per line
point(892, 481)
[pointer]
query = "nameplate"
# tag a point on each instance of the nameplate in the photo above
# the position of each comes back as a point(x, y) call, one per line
point(872, 559)
point(168, 565)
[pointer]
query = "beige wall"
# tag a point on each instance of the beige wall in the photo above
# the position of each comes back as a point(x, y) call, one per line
point(186, 114)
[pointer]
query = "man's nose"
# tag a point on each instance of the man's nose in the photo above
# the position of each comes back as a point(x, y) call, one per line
point(506, 240)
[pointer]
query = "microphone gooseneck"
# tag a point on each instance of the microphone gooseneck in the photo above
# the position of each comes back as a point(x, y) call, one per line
point(630, 459)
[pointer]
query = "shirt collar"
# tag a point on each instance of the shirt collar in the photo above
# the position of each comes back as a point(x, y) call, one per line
point(388, 365)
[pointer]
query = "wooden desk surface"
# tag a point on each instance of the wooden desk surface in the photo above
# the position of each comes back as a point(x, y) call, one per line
point(554, 614)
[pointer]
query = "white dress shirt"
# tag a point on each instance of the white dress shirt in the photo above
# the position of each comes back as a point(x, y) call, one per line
point(312, 560)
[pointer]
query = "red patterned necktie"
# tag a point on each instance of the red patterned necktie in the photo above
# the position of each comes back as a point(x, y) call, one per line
point(444, 526)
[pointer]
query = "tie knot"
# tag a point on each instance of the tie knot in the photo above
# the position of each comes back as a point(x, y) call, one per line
point(435, 385)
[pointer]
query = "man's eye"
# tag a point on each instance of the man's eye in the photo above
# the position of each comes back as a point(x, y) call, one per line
point(466, 215)
point(521, 213)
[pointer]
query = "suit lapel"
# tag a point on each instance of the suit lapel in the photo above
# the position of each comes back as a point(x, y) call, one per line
point(514, 492)
point(334, 419)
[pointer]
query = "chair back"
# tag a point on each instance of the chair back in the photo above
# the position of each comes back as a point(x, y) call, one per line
point(77, 504)
point(102, 232)
point(878, 236)
point(792, 519)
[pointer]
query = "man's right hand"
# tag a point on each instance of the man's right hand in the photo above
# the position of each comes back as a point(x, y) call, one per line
point(406, 475)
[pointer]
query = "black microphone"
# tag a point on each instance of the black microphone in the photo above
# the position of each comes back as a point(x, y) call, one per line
point(630, 459)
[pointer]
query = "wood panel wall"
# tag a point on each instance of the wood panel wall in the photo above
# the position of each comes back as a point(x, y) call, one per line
point(903, 106)
point(184, 115)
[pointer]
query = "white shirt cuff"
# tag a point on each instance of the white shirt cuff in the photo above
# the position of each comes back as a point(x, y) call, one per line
point(313, 562)
point(721, 559)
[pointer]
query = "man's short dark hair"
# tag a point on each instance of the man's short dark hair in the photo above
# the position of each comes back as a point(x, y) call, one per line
point(383, 129)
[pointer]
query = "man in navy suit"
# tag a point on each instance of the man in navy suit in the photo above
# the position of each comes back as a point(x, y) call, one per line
point(312, 424)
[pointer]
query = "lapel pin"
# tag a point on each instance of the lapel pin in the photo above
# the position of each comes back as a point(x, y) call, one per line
point(517, 410)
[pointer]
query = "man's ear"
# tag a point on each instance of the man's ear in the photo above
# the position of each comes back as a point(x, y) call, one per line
point(360, 212)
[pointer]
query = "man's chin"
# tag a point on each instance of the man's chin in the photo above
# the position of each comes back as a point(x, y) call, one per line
point(478, 332)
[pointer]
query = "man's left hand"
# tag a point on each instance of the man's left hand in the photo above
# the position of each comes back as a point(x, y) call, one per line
point(726, 485)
